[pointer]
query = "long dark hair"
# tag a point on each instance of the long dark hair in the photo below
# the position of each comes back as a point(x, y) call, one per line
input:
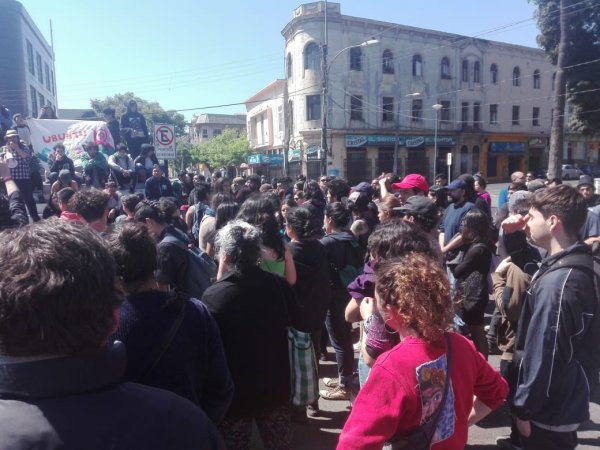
point(475, 227)
point(257, 210)
point(225, 212)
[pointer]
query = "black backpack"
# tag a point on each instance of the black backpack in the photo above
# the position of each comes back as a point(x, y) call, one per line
point(201, 268)
point(587, 354)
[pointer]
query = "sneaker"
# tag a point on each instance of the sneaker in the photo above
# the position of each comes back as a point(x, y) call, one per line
point(331, 382)
point(356, 346)
point(505, 444)
point(312, 410)
point(338, 393)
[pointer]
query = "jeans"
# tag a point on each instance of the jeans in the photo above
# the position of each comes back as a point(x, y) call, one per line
point(363, 371)
point(26, 189)
point(341, 340)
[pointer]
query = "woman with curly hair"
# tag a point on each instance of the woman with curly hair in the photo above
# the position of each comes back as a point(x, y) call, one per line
point(407, 386)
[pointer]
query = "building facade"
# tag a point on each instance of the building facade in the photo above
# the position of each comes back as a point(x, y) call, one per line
point(266, 125)
point(27, 73)
point(207, 126)
point(494, 99)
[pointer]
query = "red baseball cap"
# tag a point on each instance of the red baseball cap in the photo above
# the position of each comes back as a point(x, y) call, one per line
point(411, 181)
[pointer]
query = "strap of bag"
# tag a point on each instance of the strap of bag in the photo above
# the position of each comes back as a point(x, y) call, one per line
point(160, 350)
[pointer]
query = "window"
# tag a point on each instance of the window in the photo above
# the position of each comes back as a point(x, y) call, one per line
point(313, 107)
point(476, 115)
point(417, 66)
point(217, 132)
point(445, 116)
point(464, 113)
point(355, 58)
point(553, 80)
point(493, 114)
point(205, 133)
point(515, 115)
point(536, 79)
point(417, 110)
point(516, 76)
point(30, 61)
point(475, 160)
point(288, 64)
point(34, 101)
point(465, 71)
point(387, 63)
point(280, 123)
point(388, 109)
point(464, 159)
point(356, 107)
point(494, 74)
point(40, 75)
point(476, 72)
point(536, 117)
point(42, 100)
point(445, 69)
point(47, 76)
point(311, 56)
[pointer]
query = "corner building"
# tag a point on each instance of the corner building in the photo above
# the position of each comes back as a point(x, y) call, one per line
point(495, 99)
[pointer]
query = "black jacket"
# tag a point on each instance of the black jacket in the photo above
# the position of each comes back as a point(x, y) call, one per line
point(552, 387)
point(253, 312)
point(313, 288)
point(78, 402)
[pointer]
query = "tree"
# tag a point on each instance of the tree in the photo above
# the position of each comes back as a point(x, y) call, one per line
point(152, 111)
point(581, 57)
point(228, 149)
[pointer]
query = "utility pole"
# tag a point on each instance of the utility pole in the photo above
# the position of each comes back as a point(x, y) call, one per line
point(286, 129)
point(560, 88)
point(324, 93)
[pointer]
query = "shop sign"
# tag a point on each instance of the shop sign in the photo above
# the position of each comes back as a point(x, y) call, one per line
point(507, 147)
point(363, 140)
point(314, 153)
point(294, 155)
point(537, 142)
point(256, 159)
point(273, 160)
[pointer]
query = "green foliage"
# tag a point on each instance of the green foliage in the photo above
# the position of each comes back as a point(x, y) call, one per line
point(228, 149)
point(152, 111)
point(583, 82)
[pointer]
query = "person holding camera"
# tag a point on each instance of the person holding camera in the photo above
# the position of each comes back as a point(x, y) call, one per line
point(20, 173)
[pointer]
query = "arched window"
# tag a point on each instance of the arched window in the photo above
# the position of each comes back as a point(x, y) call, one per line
point(417, 66)
point(516, 76)
point(494, 74)
point(476, 74)
point(288, 64)
point(553, 80)
point(311, 56)
point(446, 69)
point(536, 79)
point(355, 58)
point(387, 62)
point(475, 160)
point(465, 71)
point(464, 159)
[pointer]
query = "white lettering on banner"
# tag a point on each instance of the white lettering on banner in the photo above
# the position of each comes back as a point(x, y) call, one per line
point(415, 142)
point(164, 141)
point(73, 134)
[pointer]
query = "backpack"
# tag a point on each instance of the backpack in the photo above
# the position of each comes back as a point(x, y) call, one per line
point(354, 264)
point(588, 354)
point(199, 212)
point(201, 268)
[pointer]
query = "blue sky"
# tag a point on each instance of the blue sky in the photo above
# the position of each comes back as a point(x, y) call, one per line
point(188, 54)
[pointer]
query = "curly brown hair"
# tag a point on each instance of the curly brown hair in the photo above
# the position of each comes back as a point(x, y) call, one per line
point(419, 290)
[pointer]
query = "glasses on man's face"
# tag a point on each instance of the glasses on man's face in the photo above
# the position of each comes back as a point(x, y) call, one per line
point(323, 180)
point(296, 198)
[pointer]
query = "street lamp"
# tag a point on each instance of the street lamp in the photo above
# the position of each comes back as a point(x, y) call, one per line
point(395, 163)
point(324, 92)
point(436, 107)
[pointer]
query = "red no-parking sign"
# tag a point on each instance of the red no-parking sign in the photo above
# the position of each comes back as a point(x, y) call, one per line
point(164, 141)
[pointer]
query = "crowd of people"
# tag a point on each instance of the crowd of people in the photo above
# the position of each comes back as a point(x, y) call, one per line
point(194, 287)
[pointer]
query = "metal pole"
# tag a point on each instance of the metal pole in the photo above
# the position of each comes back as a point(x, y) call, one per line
point(395, 165)
point(437, 108)
point(324, 105)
